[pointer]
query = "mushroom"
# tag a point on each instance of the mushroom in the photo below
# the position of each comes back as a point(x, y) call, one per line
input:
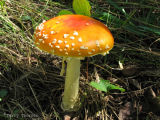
point(73, 37)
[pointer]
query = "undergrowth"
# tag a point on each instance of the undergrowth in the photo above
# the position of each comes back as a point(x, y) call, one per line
point(30, 84)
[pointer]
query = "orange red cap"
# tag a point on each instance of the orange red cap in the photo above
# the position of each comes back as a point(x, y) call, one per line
point(73, 36)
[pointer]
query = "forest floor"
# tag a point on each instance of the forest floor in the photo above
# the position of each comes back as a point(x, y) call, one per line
point(31, 87)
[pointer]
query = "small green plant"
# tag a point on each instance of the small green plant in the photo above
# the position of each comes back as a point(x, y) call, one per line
point(81, 7)
point(65, 12)
point(3, 93)
point(105, 85)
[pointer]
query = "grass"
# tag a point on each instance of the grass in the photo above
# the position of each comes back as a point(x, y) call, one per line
point(31, 77)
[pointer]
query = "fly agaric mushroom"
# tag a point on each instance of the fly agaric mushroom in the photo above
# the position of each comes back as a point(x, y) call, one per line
point(73, 37)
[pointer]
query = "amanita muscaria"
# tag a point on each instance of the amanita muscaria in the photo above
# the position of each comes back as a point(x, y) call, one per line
point(73, 37)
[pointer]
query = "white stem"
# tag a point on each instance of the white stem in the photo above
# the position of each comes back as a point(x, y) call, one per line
point(63, 66)
point(71, 84)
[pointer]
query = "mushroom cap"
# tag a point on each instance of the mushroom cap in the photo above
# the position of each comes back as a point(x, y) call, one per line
point(73, 36)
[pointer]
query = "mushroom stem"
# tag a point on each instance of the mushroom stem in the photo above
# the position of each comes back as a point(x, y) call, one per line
point(71, 88)
point(63, 66)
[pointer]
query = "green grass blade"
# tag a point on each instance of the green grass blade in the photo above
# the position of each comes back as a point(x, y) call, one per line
point(149, 29)
point(116, 6)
